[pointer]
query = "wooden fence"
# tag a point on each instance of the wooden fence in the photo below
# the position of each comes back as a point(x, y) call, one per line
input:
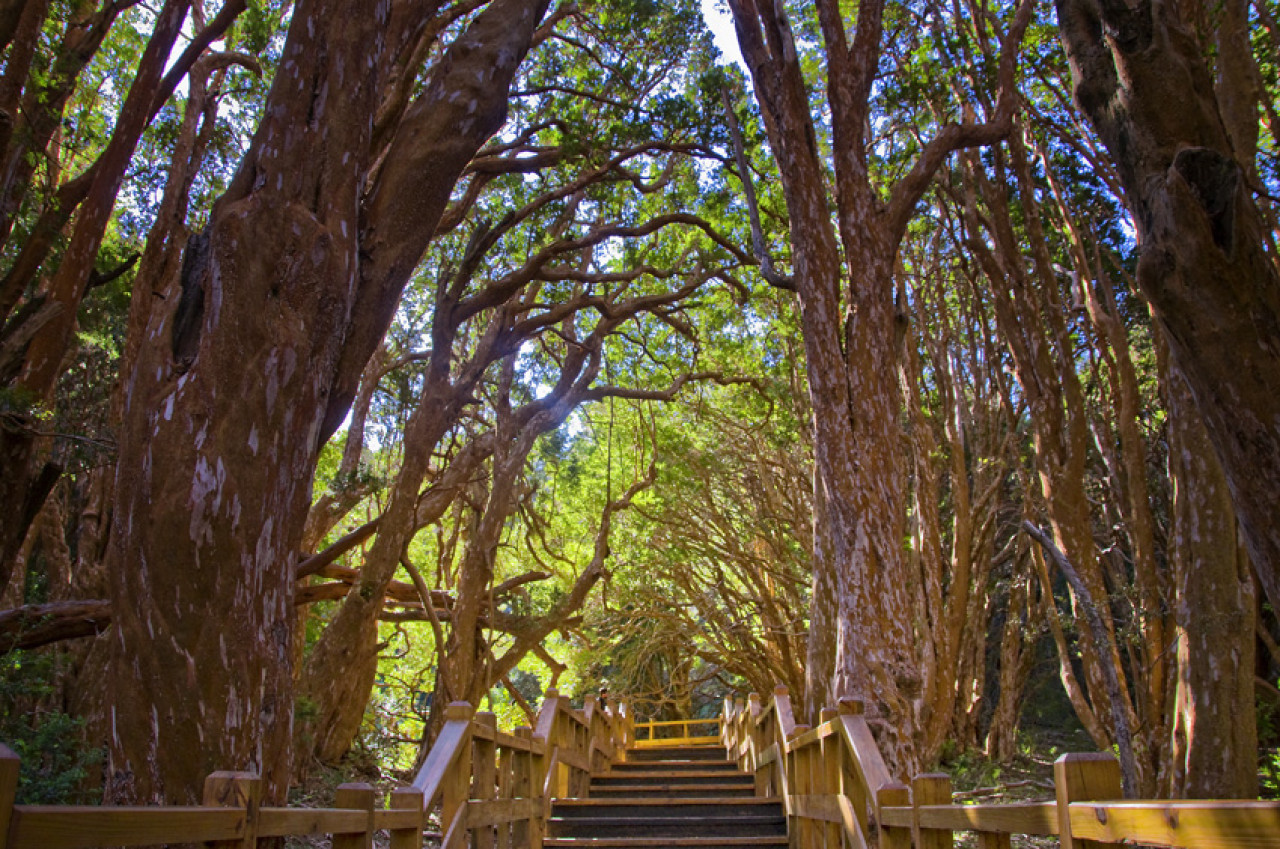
point(677, 732)
point(494, 790)
point(838, 793)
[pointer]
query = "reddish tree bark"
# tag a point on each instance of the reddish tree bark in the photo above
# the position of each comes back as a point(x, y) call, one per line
point(1141, 79)
point(284, 297)
point(862, 635)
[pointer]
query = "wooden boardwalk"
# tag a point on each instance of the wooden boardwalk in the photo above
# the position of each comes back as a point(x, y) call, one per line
point(583, 773)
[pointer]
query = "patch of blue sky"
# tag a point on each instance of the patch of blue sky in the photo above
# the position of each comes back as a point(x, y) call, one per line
point(716, 15)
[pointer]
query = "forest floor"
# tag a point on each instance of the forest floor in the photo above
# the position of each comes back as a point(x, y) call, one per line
point(1028, 778)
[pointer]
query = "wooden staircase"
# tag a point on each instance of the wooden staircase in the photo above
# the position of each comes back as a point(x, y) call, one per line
point(669, 796)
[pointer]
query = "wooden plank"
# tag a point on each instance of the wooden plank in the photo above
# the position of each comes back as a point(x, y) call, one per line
point(1219, 825)
point(853, 832)
point(355, 796)
point(497, 811)
point(931, 789)
point(1039, 818)
point(446, 750)
point(455, 783)
point(506, 777)
point(800, 784)
point(523, 786)
point(404, 820)
point(68, 827)
point(1083, 778)
point(236, 790)
point(283, 822)
point(518, 744)
point(485, 786)
point(891, 800)
point(822, 808)
point(455, 836)
point(574, 759)
point(400, 815)
point(866, 753)
point(675, 741)
point(897, 816)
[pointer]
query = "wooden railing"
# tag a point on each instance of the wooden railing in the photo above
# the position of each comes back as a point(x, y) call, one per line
point(838, 792)
point(677, 732)
point(494, 789)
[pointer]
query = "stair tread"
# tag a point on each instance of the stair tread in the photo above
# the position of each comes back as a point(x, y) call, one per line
point(677, 781)
point(772, 840)
point(705, 800)
point(658, 773)
point(702, 819)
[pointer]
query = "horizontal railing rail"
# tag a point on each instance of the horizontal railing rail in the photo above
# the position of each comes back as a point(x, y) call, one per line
point(494, 790)
point(675, 732)
point(837, 792)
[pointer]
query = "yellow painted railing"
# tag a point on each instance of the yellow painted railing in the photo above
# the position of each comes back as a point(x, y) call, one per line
point(494, 791)
point(678, 732)
point(838, 793)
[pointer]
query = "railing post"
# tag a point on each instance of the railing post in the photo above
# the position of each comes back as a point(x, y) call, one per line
point(1090, 777)
point(931, 789)
point(832, 750)
point(235, 790)
point(893, 796)
point(797, 783)
point(358, 795)
point(407, 799)
point(522, 788)
point(860, 795)
point(8, 791)
point(751, 734)
point(506, 790)
point(482, 767)
point(591, 709)
point(994, 840)
point(456, 786)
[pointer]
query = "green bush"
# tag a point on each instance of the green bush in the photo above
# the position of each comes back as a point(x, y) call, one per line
point(54, 762)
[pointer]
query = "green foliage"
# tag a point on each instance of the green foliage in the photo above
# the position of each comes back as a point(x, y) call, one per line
point(53, 759)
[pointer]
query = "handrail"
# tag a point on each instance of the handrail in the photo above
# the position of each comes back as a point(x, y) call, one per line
point(494, 789)
point(836, 789)
point(646, 733)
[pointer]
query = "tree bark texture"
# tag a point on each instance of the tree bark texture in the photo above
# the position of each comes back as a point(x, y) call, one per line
point(843, 275)
point(1141, 79)
point(862, 641)
point(243, 377)
point(1214, 736)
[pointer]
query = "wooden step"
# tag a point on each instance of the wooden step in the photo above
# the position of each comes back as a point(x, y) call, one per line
point(662, 842)
point(773, 824)
point(673, 791)
point(671, 777)
point(673, 766)
point(678, 753)
point(658, 807)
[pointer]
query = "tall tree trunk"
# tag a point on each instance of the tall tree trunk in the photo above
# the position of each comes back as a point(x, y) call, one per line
point(1141, 79)
point(284, 297)
point(1214, 740)
point(852, 337)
